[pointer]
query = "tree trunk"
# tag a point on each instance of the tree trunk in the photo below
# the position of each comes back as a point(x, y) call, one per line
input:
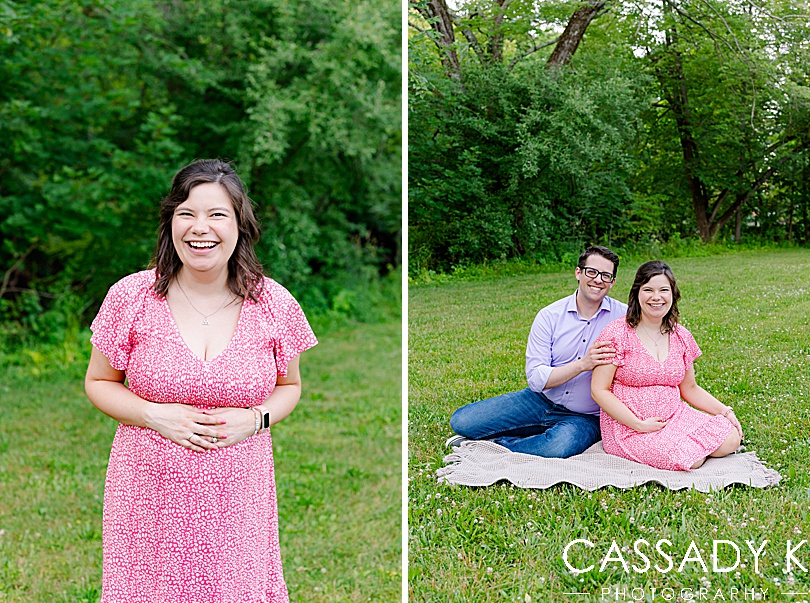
point(675, 90)
point(806, 220)
point(678, 98)
point(738, 227)
point(790, 223)
point(805, 201)
point(495, 45)
point(572, 36)
point(438, 14)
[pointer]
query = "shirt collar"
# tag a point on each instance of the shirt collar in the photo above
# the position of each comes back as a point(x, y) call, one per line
point(572, 304)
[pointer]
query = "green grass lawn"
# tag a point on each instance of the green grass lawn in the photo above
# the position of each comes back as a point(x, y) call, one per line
point(750, 314)
point(337, 469)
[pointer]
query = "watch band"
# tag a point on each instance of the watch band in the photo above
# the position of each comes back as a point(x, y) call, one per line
point(262, 418)
point(258, 417)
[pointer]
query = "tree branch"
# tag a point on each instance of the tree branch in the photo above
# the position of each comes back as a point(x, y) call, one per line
point(531, 51)
point(29, 290)
point(496, 39)
point(757, 184)
point(770, 14)
point(473, 41)
point(574, 31)
point(709, 32)
point(4, 288)
point(420, 30)
point(441, 20)
point(728, 28)
point(720, 198)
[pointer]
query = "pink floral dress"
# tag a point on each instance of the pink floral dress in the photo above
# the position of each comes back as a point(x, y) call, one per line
point(181, 526)
point(649, 388)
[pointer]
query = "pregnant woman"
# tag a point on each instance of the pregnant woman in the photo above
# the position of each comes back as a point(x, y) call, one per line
point(641, 393)
point(196, 359)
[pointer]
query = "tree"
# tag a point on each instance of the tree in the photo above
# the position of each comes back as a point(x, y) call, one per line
point(499, 21)
point(736, 138)
point(103, 102)
point(660, 120)
point(504, 154)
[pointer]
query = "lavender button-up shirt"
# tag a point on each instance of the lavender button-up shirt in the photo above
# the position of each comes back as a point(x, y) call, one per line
point(559, 336)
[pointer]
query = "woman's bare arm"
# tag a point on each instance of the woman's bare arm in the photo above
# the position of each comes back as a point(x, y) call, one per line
point(177, 422)
point(703, 400)
point(601, 381)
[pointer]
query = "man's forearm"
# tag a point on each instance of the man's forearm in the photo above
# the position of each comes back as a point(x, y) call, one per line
point(563, 374)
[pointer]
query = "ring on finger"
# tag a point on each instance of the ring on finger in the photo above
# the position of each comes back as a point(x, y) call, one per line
point(214, 439)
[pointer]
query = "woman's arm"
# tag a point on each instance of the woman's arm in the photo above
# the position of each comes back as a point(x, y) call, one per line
point(703, 400)
point(177, 422)
point(280, 403)
point(601, 380)
point(285, 397)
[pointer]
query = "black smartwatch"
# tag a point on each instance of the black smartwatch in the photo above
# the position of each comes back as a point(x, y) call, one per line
point(265, 418)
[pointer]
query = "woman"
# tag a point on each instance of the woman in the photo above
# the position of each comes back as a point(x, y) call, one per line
point(643, 417)
point(208, 347)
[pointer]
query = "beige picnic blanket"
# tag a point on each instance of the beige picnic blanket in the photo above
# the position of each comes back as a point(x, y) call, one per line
point(482, 463)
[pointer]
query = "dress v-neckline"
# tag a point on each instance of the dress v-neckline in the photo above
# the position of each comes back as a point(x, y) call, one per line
point(649, 353)
point(188, 347)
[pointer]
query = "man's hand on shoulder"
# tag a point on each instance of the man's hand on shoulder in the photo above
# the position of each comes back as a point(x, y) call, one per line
point(600, 352)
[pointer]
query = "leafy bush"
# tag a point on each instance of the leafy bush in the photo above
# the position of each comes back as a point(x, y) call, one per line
point(103, 102)
point(502, 166)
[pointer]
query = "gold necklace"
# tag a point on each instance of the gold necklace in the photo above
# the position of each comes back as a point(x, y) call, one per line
point(654, 341)
point(205, 316)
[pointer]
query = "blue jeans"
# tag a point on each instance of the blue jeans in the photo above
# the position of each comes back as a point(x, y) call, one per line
point(528, 422)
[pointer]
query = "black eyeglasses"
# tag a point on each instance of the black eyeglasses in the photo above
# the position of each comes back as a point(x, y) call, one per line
point(607, 277)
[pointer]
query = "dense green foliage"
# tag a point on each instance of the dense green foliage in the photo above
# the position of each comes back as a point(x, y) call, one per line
point(491, 184)
point(504, 543)
point(103, 101)
point(674, 120)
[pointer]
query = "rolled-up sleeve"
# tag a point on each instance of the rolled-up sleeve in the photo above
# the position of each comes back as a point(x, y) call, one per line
point(538, 351)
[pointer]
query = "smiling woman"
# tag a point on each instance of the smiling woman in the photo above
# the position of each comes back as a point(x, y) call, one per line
point(208, 348)
point(643, 417)
point(204, 229)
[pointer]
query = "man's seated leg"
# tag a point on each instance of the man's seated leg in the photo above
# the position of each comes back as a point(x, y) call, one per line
point(522, 413)
point(571, 433)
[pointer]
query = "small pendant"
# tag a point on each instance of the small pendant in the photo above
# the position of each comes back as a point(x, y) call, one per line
point(205, 321)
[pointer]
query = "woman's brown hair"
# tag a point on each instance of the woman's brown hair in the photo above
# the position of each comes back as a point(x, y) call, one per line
point(244, 269)
point(643, 275)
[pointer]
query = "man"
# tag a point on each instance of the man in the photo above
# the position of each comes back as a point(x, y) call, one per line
point(556, 415)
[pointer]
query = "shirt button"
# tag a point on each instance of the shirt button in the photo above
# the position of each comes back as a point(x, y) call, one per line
point(583, 341)
point(566, 392)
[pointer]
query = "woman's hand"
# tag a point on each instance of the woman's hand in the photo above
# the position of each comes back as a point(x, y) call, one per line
point(186, 425)
point(650, 425)
point(239, 424)
point(734, 421)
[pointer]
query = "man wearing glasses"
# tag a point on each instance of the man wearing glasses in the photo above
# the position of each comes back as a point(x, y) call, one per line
point(556, 415)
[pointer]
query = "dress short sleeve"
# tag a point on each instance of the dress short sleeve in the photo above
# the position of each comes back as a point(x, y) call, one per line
point(691, 350)
point(616, 333)
point(112, 326)
point(289, 328)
